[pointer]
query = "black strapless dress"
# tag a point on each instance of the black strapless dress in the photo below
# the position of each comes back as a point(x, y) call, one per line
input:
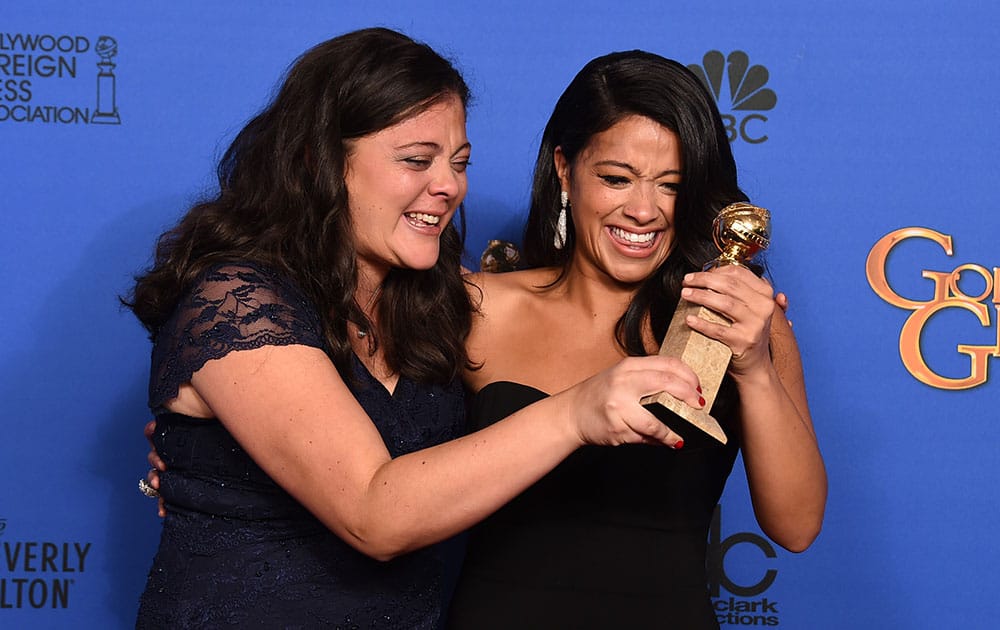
point(612, 538)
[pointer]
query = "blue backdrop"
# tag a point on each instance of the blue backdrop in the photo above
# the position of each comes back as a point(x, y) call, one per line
point(851, 124)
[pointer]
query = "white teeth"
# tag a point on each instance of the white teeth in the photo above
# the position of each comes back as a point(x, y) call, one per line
point(632, 237)
point(429, 219)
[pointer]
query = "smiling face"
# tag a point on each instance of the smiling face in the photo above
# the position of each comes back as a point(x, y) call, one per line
point(622, 189)
point(404, 184)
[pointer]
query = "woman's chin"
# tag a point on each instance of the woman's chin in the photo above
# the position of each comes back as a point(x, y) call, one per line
point(419, 261)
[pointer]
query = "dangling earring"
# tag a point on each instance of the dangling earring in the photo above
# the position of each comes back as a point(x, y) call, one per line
point(560, 238)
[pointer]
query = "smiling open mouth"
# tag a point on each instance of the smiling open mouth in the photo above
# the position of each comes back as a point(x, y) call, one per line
point(633, 239)
point(419, 219)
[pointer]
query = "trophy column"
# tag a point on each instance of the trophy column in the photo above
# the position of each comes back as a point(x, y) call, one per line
point(107, 107)
point(740, 231)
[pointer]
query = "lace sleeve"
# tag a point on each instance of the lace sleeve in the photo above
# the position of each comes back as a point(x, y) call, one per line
point(230, 307)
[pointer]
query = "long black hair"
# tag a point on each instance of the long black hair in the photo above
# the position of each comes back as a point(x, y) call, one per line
point(606, 90)
point(283, 202)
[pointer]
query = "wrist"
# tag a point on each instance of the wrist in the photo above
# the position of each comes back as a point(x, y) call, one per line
point(565, 419)
point(762, 376)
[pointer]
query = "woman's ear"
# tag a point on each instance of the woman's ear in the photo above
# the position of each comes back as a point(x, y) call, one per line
point(562, 168)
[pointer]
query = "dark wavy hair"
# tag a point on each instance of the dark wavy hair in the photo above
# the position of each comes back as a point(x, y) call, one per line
point(606, 90)
point(283, 202)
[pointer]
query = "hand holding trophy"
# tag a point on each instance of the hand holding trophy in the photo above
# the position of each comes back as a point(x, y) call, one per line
point(740, 230)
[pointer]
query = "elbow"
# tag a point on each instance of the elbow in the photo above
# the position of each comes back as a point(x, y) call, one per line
point(793, 523)
point(377, 544)
point(388, 549)
point(383, 555)
point(797, 544)
point(799, 537)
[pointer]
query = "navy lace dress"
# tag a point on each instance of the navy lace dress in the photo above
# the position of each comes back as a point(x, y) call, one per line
point(236, 550)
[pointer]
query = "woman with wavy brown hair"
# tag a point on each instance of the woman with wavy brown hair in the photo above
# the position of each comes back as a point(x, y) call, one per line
point(308, 328)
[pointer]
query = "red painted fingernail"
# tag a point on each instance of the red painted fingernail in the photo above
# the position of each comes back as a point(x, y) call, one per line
point(698, 388)
point(701, 401)
point(679, 444)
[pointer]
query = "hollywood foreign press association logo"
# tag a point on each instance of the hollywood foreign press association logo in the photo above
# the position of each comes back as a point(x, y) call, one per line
point(50, 78)
point(746, 89)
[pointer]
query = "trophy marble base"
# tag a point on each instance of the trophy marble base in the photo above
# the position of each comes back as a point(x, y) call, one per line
point(707, 357)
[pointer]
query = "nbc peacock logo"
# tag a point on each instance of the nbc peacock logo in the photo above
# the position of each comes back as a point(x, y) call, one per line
point(747, 94)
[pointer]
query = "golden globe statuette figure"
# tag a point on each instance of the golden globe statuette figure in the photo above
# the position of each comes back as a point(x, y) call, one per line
point(740, 231)
point(499, 256)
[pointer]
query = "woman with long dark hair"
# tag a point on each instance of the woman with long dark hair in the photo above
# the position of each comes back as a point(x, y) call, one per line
point(308, 327)
point(634, 166)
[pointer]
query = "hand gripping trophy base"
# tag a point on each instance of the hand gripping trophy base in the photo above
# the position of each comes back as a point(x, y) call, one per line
point(707, 357)
point(740, 231)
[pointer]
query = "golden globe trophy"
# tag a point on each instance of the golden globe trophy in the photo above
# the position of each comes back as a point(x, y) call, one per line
point(740, 231)
point(499, 256)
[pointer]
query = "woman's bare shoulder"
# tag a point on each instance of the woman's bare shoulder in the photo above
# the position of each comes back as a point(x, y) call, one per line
point(504, 301)
point(499, 288)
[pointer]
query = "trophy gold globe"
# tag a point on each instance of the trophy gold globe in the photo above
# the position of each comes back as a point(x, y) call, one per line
point(740, 231)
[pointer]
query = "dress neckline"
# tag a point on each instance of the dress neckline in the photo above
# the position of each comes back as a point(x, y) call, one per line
point(363, 371)
point(515, 384)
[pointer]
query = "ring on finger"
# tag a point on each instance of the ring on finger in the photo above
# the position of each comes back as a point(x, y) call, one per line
point(147, 489)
